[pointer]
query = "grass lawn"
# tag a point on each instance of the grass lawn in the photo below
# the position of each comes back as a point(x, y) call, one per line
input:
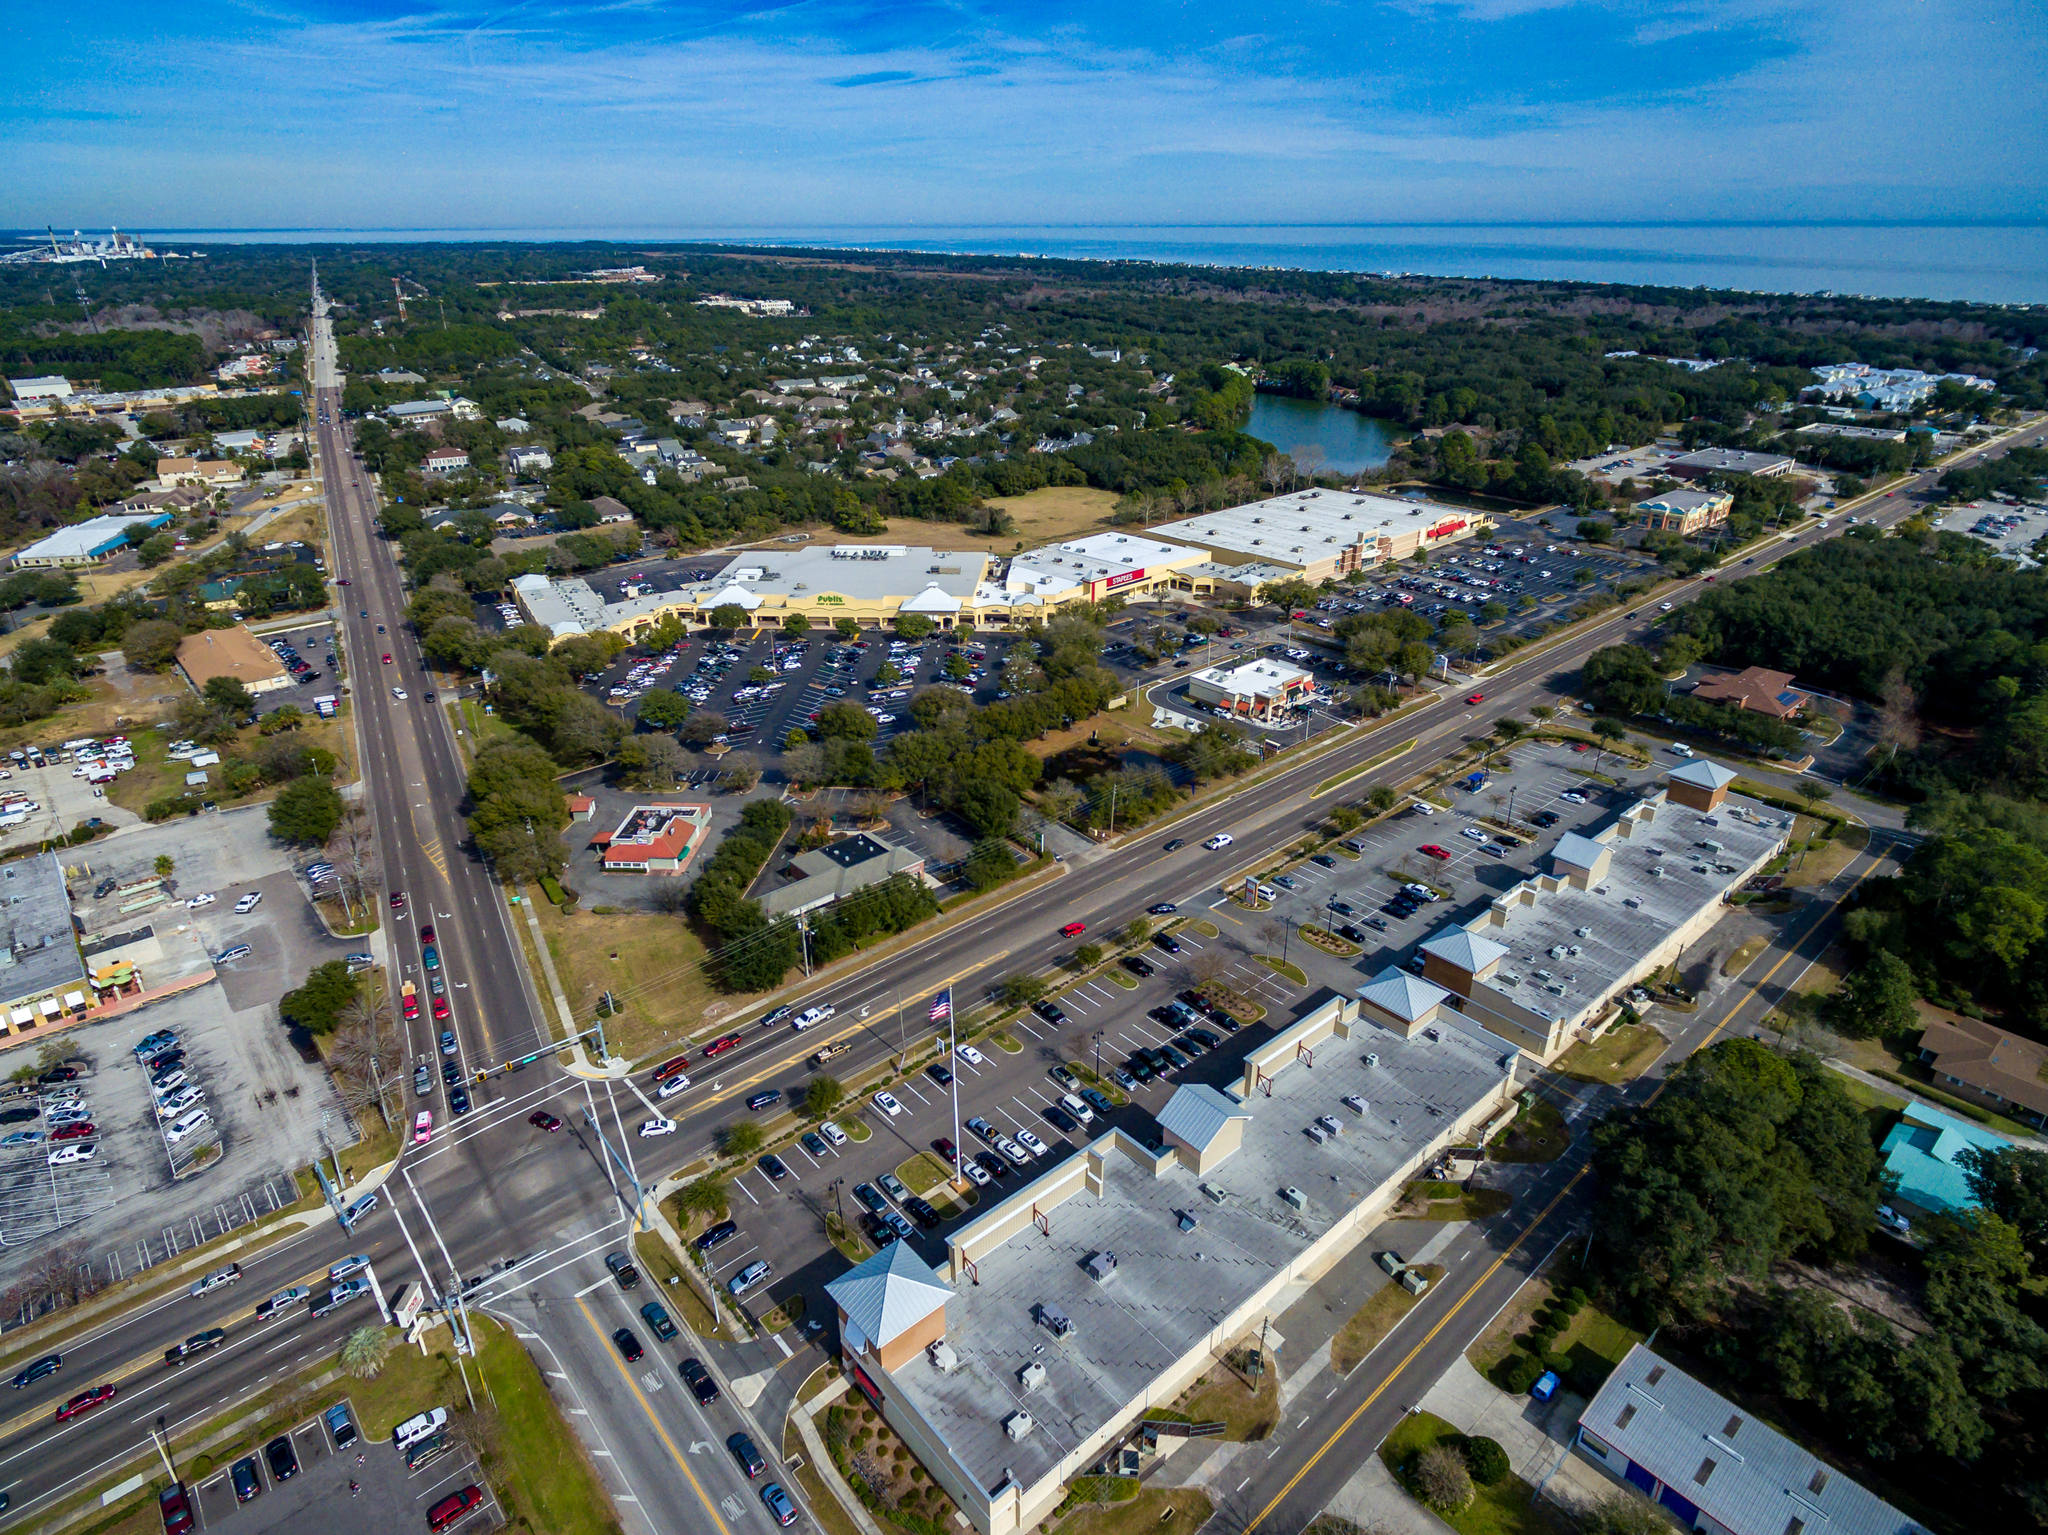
point(1744, 952)
point(1205, 927)
point(921, 1174)
point(1538, 1134)
point(823, 1504)
point(1426, 1201)
point(648, 958)
point(1056, 512)
point(856, 1129)
point(530, 1452)
point(1506, 1508)
point(1373, 1321)
point(1155, 1511)
point(1127, 981)
point(1279, 966)
point(1622, 1054)
point(1222, 1395)
point(674, 1287)
point(1007, 1041)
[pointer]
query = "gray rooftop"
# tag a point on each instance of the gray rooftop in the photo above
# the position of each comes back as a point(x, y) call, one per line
point(1171, 1287)
point(861, 572)
point(1197, 1113)
point(890, 1293)
point(1657, 879)
point(1739, 1470)
point(1468, 951)
point(1308, 525)
point(41, 952)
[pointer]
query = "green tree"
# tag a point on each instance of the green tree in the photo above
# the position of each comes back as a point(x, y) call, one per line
point(317, 1005)
point(742, 1138)
point(1875, 1000)
point(843, 721)
point(1088, 955)
point(824, 1095)
point(1510, 730)
point(796, 626)
point(151, 645)
point(305, 812)
point(1021, 988)
point(729, 615)
point(364, 1350)
point(708, 1196)
point(1381, 797)
point(847, 628)
point(989, 809)
point(663, 709)
point(229, 693)
point(914, 626)
point(164, 865)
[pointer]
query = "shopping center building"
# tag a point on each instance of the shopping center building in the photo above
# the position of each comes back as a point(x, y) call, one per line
point(1325, 535)
point(1550, 961)
point(1106, 1286)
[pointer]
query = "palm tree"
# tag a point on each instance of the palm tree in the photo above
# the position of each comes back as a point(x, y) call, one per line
point(362, 1354)
point(705, 1196)
point(1609, 732)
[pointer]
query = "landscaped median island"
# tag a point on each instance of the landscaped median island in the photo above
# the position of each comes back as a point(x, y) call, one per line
point(1620, 1055)
point(1371, 1322)
point(1465, 1482)
point(1537, 1134)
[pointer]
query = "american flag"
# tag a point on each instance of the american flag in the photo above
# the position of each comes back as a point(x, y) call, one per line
point(942, 1006)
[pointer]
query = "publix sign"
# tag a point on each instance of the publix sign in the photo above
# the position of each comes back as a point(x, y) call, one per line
point(829, 600)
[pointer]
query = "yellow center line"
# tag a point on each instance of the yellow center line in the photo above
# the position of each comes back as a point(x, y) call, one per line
point(1527, 1231)
point(648, 1408)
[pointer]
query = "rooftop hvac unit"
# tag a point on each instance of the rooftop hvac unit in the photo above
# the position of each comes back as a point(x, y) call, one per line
point(1032, 1376)
point(1018, 1424)
point(943, 1357)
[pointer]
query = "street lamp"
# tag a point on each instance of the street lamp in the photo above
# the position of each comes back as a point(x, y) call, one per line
point(1098, 1055)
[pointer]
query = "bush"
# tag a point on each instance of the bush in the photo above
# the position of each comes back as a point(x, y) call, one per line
point(1486, 1460)
point(1441, 1479)
point(552, 889)
point(1561, 1363)
point(1517, 1373)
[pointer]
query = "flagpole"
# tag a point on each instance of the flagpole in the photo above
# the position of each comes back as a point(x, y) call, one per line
point(953, 1067)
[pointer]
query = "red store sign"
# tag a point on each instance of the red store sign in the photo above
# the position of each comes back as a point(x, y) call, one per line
point(1123, 580)
point(1446, 529)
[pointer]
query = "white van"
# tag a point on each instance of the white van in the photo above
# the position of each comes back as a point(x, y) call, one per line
point(1074, 1106)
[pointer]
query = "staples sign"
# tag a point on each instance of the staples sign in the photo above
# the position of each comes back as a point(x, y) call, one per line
point(1446, 529)
point(1123, 580)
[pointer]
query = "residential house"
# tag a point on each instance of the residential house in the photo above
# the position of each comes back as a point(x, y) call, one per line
point(173, 472)
point(1988, 1065)
point(611, 509)
point(530, 460)
point(1757, 689)
point(445, 460)
point(1923, 1155)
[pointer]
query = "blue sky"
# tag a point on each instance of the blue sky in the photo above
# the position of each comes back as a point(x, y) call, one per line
point(762, 116)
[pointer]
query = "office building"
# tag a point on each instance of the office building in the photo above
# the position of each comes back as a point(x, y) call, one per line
point(92, 542)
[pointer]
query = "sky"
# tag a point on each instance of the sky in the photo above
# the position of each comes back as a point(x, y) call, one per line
point(755, 116)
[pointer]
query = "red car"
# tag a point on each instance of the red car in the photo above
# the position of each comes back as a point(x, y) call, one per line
point(1475, 698)
point(541, 1119)
point(440, 1009)
point(427, 933)
point(85, 1401)
point(398, 900)
point(341, 581)
point(1073, 930)
point(945, 1148)
point(387, 658)
point(410, 1005)
point(1433, 850)
point(720, 1046)
point(75, 1132)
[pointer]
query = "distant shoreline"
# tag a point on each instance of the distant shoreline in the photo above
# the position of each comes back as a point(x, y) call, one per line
point(1947, 260)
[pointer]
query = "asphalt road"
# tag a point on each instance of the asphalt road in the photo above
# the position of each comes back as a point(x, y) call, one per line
point(489, 1186)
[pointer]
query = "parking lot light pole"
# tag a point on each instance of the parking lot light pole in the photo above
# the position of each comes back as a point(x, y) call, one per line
point(1098, 1055)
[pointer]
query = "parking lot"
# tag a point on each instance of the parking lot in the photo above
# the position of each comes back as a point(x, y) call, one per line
point(781, 1220)
point(133, 1202)
point(318, 1498)
point(313, 644)
point(765, 685)
point(1526, 569)
point(2009, 528)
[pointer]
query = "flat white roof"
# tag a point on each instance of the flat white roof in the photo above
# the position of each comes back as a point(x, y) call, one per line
point(1311, 525)
point(1098, 557)
point(82, 540)
point(1257, 678)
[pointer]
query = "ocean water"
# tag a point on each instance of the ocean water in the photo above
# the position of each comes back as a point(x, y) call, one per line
point(1989, 263)
point(1335, 439)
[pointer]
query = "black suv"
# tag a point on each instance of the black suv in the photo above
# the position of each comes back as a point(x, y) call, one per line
point(1136, 964)
point(699, 1380)
point(284, 1460)
point(1049, 1011)
point(712, 1236)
